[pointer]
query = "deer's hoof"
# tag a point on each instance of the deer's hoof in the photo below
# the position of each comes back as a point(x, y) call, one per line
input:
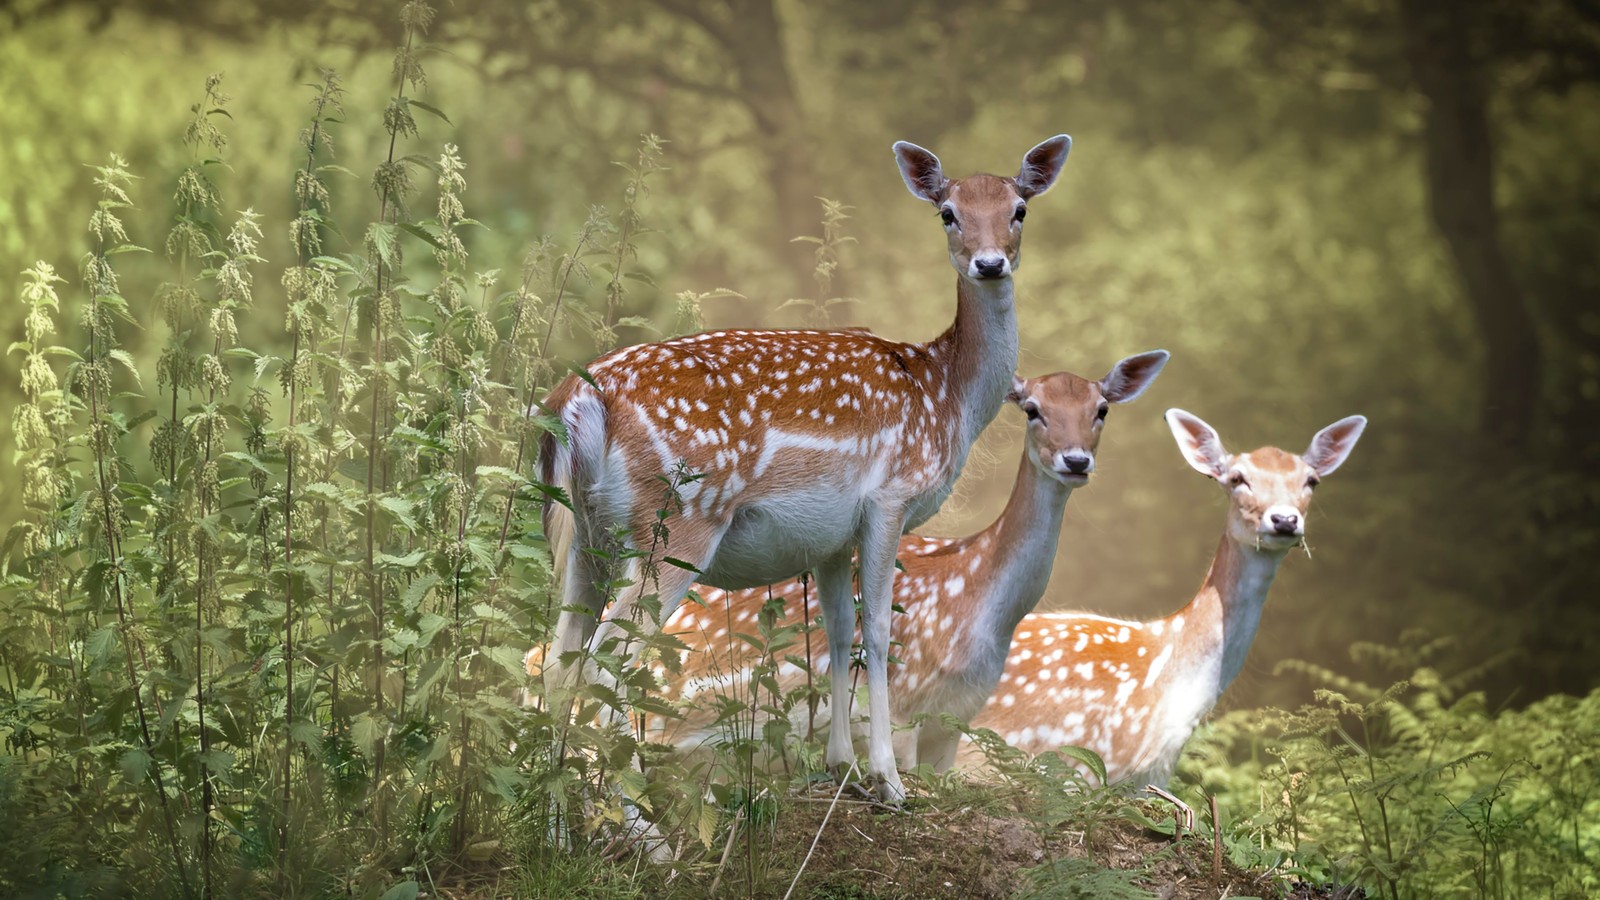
point(890, 791)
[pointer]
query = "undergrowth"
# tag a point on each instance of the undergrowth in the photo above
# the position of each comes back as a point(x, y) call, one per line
point(1414, 789)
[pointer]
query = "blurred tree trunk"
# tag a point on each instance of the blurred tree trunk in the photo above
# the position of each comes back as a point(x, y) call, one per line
point(751, 34)
point(1453, 77)
point(761, 65)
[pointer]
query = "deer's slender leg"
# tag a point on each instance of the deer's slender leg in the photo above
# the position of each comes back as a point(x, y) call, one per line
point(880, 535)
point(837, 599)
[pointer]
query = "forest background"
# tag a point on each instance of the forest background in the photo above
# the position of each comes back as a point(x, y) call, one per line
point(1385, 208)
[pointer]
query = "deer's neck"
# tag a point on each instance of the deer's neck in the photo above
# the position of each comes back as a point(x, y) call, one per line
point(978, 354)
point(1219, 625)
point(1021, 549)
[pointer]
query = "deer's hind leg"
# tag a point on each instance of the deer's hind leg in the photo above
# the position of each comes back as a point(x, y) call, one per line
point(657, 588)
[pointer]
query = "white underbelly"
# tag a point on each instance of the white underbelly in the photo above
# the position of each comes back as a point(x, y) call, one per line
point(777, 539)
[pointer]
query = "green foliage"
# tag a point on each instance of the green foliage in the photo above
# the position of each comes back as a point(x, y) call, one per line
point(1414, 790)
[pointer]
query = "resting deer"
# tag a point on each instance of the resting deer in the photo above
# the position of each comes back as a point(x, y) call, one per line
point(809, 446)
point(962, 597)
point(1134, 691)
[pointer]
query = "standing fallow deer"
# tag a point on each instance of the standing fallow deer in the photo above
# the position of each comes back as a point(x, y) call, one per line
point(962, 597)
point(808, 446)
point(1134, 691)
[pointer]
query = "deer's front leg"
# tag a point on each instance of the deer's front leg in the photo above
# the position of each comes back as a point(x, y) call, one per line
point(880, 536)
point(837, 599)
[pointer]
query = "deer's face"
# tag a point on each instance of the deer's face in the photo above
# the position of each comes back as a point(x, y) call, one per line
point(1066, 414)
point(983, 214)
point(1269, 489)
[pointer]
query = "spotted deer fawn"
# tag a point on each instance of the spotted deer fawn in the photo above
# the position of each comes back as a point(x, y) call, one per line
point(962, 597)
point(807, 446)
point(1134, 691)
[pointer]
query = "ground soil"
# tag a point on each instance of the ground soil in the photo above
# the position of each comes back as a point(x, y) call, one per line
point(867, 852)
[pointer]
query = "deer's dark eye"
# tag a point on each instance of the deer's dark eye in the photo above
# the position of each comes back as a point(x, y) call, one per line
point(948, 215)
point(1101, 413)
point(1237, 479)
point(1032, 412)
point(1312, 482)
point(1022, 213)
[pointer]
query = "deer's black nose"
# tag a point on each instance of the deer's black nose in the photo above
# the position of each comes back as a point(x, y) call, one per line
point(1285, 523)
point(1077, 463)
point(989, 266)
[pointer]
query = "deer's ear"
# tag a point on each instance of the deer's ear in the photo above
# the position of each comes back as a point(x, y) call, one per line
point(1019, 390)
point(1332, 445)
point(1042, 165)
point(1198, 442)
point(921, 171)
point(1133, 376)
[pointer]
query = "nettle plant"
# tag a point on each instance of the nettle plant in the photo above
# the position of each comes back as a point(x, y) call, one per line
point(262, 622)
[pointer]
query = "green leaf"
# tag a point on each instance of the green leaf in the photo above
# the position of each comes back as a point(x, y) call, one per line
point(499, 472)
point(322, 490)
point(400, 510)
point(417, 230)
point(634, 786)
point(99, 643)
point(432, 671)
point(678, 563)
point(122, 358)
point(247, 459)
point(417, 591)
point(430, 109)
point(338, 170)
point(307, 733)
point(1086, 756)
point(553, 492)
point(135, 764)
point(410, 560)
point(504, 782)
point(217, 760)
point(508, 658)
point(382, 237)
point(420, 438)
point(365, 731)
point(639, 322)
point(405, 890)
point(334, 262)
point(583, 373)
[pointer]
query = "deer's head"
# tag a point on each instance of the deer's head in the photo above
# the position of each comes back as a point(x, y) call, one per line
point(1066, 413)
point(1270, 489)
point(983, 214)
